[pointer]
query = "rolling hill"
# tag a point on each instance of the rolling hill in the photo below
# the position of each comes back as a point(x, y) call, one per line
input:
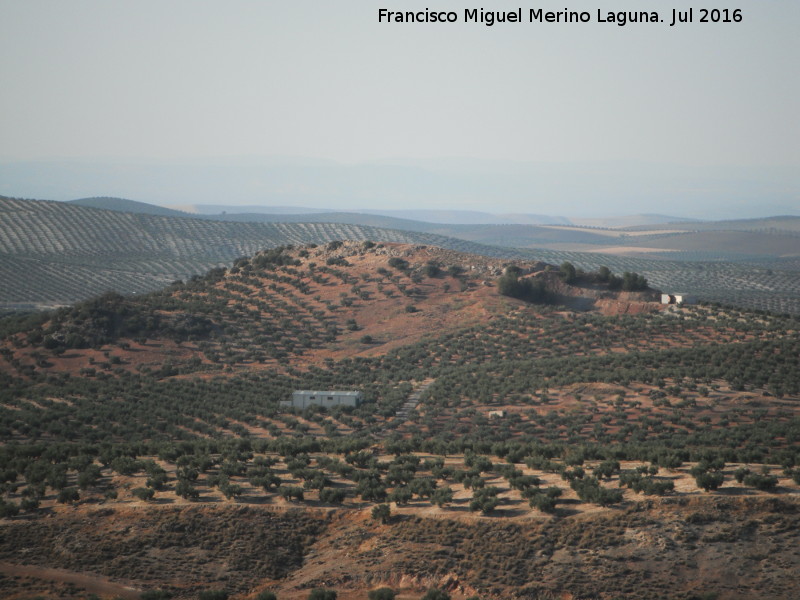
point(636, 235)
point(657, 236)
point(124, 205)
point(780, 224)
point(529, 231)
point(505, 448)
point(54, 253)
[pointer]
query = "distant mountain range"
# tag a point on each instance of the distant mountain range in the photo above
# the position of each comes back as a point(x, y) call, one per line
point(575, 189)
point(423, 217)
point(452, 217)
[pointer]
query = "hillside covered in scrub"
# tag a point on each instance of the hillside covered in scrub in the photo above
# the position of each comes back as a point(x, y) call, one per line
point(528, 430)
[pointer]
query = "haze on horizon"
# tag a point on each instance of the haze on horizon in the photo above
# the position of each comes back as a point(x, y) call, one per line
point(200, 102)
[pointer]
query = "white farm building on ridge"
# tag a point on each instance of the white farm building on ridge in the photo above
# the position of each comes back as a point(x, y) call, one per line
point(304, 398)
point(678, 299)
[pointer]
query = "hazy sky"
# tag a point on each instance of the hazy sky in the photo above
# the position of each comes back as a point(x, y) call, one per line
point(195, 79)
point(322, 78)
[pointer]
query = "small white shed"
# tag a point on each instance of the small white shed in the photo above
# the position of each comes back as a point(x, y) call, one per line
point(678, 299)
point(328, 398)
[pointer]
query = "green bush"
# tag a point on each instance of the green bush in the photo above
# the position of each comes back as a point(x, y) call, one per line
point(383, 593)
point(568, 272)
point(331, 495)
point(398, 263)
point(431, 270)
point(322, 594)
point(8, 509)
point(766, 483)
point(709, 481)
point(144, 493)
point(530, 290)
point(382, 513)
point(590, 490)
point(69, 494)
point(485, 500)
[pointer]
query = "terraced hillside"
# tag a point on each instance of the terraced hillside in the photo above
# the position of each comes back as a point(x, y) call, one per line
point(763, 240)
point(779, 224)
point(131, 206)
point(55, 253)
point(626, 450)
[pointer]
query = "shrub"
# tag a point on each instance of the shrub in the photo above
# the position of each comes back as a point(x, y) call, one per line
point(371, 491)
point(766, 483)
point(401, 495)
point(144, 493)
point(590, 490)
point(606, 469)
point(485, 500)
point(632, 282)
point(530, 290)
point(125, 465)
point(231, 490)
point(709, 481)
point(69, 494)
point(647, 485)
point(289, 492)
point(29, 504)
point(568, 272)
point(398, 263)
point(322, 594)
point(442, 496)
point(381, 513)
point(186, 490)
point(431, 270)
point(383, 593)
point(8, 509)
point(331, 495)
point(543, 502)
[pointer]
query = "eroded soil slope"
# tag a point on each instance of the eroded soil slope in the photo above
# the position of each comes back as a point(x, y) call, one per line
point(670, 548)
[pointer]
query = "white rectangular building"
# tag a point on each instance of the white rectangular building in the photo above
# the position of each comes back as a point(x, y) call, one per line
point(678, 299)
point(304, 398)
